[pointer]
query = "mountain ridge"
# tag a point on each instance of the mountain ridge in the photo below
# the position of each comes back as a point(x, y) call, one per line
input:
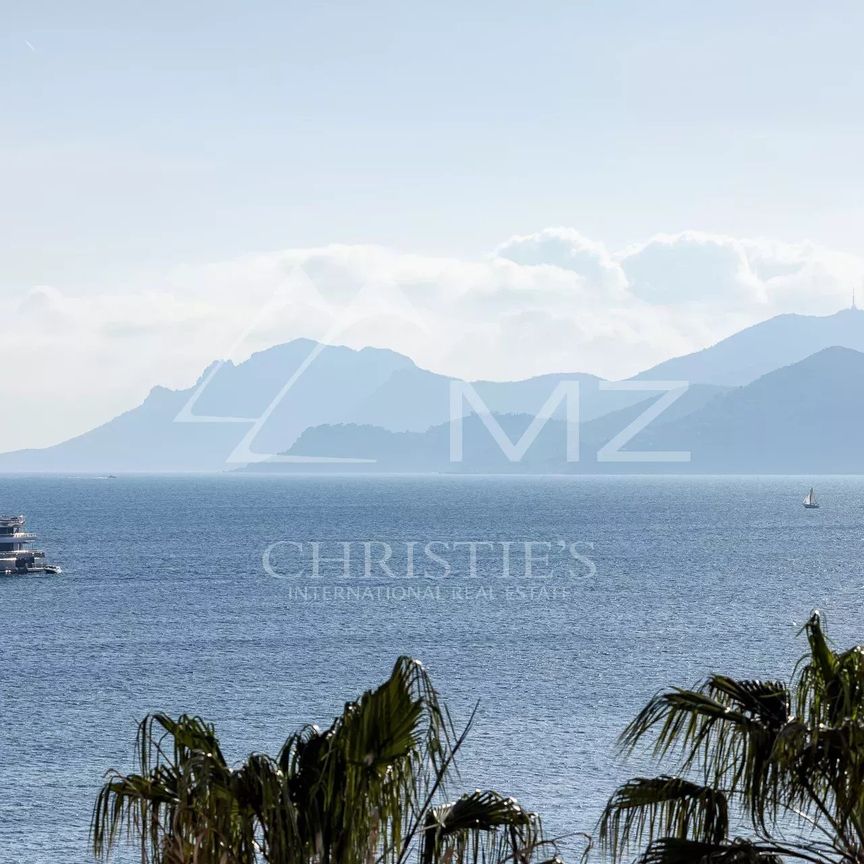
point(785, 433)
point(342, 384)
point(758, 349)
point(379, 387)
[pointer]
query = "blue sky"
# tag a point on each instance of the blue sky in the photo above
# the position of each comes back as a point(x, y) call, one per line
point(584, 186)
point(142, 135)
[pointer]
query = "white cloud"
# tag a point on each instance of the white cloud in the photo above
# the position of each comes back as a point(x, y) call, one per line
point(694, 269)
point(568, 249)
point(691, 268)
point(551, 301)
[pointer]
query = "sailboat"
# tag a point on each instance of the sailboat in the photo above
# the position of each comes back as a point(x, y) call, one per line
point(810, 500)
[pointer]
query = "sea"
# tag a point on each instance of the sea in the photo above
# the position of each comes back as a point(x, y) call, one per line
point(557, 605)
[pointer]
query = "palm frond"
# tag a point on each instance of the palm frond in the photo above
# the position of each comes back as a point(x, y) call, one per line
point(726, 731)
point(356, 792)
point(367, 775)
point(831, 684)
point(480, 827)
point(674, 850)
point(663, 806)
point(785, 763)
point(180, 804)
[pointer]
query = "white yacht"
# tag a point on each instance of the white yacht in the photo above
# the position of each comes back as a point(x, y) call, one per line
point(15, 555)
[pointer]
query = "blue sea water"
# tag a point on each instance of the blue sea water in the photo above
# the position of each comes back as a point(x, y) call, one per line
point(164, 604)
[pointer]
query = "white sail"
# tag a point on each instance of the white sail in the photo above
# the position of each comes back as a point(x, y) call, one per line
point(810, 499)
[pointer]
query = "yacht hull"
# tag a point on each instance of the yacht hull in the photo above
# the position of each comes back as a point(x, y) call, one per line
point(47, 570)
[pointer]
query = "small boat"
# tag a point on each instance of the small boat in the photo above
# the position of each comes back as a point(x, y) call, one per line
point(810, 500)
point(16, 556)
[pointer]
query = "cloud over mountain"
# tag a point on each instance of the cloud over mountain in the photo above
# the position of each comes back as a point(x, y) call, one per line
point(550, 301)
point(694, 269)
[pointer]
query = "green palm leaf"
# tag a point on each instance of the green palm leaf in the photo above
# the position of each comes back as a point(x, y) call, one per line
point(181, 804)
point(663, 806)
point(669, 850)
point(359, 792)
point(480, 827)
point(747, 746)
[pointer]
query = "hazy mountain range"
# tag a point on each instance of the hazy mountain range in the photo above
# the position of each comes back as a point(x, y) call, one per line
point(764, 347)
point(781, 396)
point(802, 418)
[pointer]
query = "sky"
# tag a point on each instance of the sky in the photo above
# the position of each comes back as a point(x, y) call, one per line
point(496, 189)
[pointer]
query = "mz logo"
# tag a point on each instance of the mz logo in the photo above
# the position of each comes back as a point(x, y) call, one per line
point(463, 394)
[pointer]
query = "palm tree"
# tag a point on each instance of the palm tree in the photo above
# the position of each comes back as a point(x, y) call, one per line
point(366, 790)
point(762, 771)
